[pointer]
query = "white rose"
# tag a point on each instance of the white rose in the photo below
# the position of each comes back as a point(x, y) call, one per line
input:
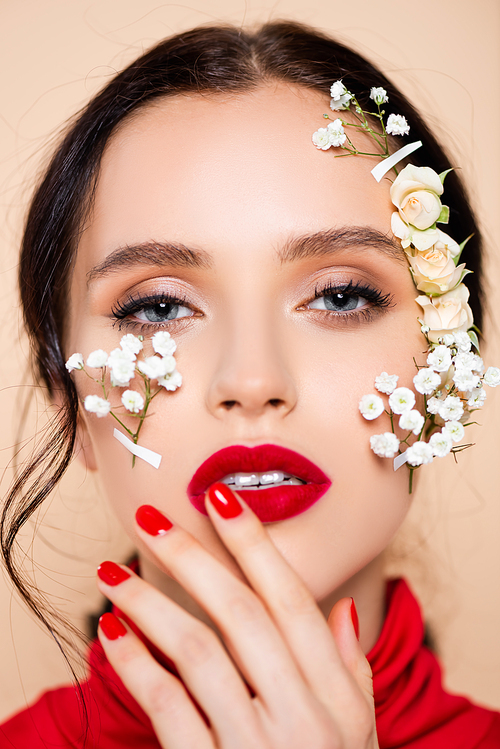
point(426, 381)
point(379, 95)
point(336, 133)
point(441, 444)
point(455, 429)
point(321, 139)
point(385, 445)
point(415, 193)
point(451, 409)
point(133, 401)
point(171, 381)
point(477, 398)
point(434, 270)
point(397, 125)
point(401, 400)
point(439, 359)
point(449, 312)
point(409, 235)
point(340, 96)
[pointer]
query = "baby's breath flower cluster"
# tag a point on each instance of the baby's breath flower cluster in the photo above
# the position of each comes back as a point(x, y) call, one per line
point(452, 383)
point(123, 366)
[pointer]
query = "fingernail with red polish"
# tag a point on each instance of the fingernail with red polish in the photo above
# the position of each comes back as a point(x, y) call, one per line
point(112, 627)
point(354, 617)
point(111, 574)
point(152, 521)
point(224, 501)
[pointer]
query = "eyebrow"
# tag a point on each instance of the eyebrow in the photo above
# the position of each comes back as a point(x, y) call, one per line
point(319, 244)
point(330, 241)
point(150, 253)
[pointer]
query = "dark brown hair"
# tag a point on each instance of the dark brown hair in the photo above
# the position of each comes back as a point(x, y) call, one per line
point(208, 59)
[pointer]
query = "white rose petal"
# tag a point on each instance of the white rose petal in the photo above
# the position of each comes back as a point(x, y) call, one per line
point(451, 409)
point(171, 381)
point(419, 454)
point(386, 383)
point(163, 343)
point(412, 420)
point(75, 361)
point(401, 400)
point(97, 405)
point(426, 381)
point(371, 406)
point(449, 312)
point(439, 359)
point(133, 401)
point(441, 444)
point(492, 377)
point(455, 429)
point(379, 95)
point(97, 359)
point(477, 398)
point(385, 445)
point(397, 125)
point(131, 343)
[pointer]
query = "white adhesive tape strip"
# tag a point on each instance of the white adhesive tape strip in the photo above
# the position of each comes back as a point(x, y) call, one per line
point(383, 167)
point(399, 460)
point(154, 459)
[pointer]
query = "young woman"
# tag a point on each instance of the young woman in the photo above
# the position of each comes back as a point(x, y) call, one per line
point(188, 198)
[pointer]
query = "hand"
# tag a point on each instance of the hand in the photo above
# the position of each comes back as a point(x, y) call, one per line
point(311, 682)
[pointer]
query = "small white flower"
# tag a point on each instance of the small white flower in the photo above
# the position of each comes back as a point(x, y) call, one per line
point(131, 343)
point(97, 359)
point(340, 96)
point(156, 366)
point(97, 405)
point(465, 380)
point(371, 406)
point(468, 361)
point(321, 139)
point(455, 429)
point(477, 398)
point(412, 420)
point(419, 454)
point(491, 377)
point(462, 341)
point(75, 361)
point(336, 133)
point(441, 443)
point(451, 409)
point(121, 363)
point(433, 405)
point(397, 125)
point(385, 445)
point(163, 343)
point(379, 95)
point(426, 381)
point(401, 400)
point(449, 339)
point(439, 359)
point(171, 381)
point(133, 401)
point(386, 383)
point(425, 329)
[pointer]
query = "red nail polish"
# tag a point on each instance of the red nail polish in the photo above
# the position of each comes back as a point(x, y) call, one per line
point(111, 574)
point(224, 501)
point(354, 617)
point(152, 520)
point(112, 626)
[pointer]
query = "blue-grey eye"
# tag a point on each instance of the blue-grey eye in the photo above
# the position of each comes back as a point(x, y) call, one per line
point(163, 312)
point(340, 301)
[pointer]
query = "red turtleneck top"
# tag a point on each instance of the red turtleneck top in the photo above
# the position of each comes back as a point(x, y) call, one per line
point(413, 711)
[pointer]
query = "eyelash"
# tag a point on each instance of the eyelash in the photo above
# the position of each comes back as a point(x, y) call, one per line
point(377, 300)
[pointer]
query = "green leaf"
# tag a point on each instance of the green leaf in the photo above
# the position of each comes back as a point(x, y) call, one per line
point(444, 216)
point(475, 340)
point(462, 245)
point(443, 175)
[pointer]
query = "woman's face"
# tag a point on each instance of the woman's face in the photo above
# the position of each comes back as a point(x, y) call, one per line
point(268, 351)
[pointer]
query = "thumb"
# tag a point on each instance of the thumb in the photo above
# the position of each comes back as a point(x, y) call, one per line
point(343, 624)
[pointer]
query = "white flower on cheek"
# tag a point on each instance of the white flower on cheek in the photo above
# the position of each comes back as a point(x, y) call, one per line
point(163, 343)
point(465, 380)
point(340, 96)
point(477, 398)
point(455, 429)
point(462, 341)
point(433, 405)
point(133, 401)
point(131, 343)
point(171, 381)
point(156, 367)
point(385, 445)
point(426, 381)
point(492, 377)
point(371, 406)
point(401, 400)
point(386, 383)
point(96, 405)
point(439, 359)
point(419, 454)
point(412, 420)
point(321, 139)
point(97, 359)
point(75, 361)
point(451, 409)
point(441, 443)
point(122, 365)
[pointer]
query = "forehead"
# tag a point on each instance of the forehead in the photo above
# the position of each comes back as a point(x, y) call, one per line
point(216, 171)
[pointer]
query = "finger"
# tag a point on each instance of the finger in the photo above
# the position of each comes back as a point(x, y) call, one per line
point(195, 649)
point(249, 633)
point(176, 721)
point(291, 604)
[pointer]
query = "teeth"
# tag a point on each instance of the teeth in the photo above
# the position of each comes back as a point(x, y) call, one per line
point(254, 480)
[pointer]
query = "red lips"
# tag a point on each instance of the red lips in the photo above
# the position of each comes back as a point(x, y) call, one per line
point(274, 503)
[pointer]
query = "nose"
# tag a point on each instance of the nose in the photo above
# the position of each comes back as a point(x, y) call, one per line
point(252, 376)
